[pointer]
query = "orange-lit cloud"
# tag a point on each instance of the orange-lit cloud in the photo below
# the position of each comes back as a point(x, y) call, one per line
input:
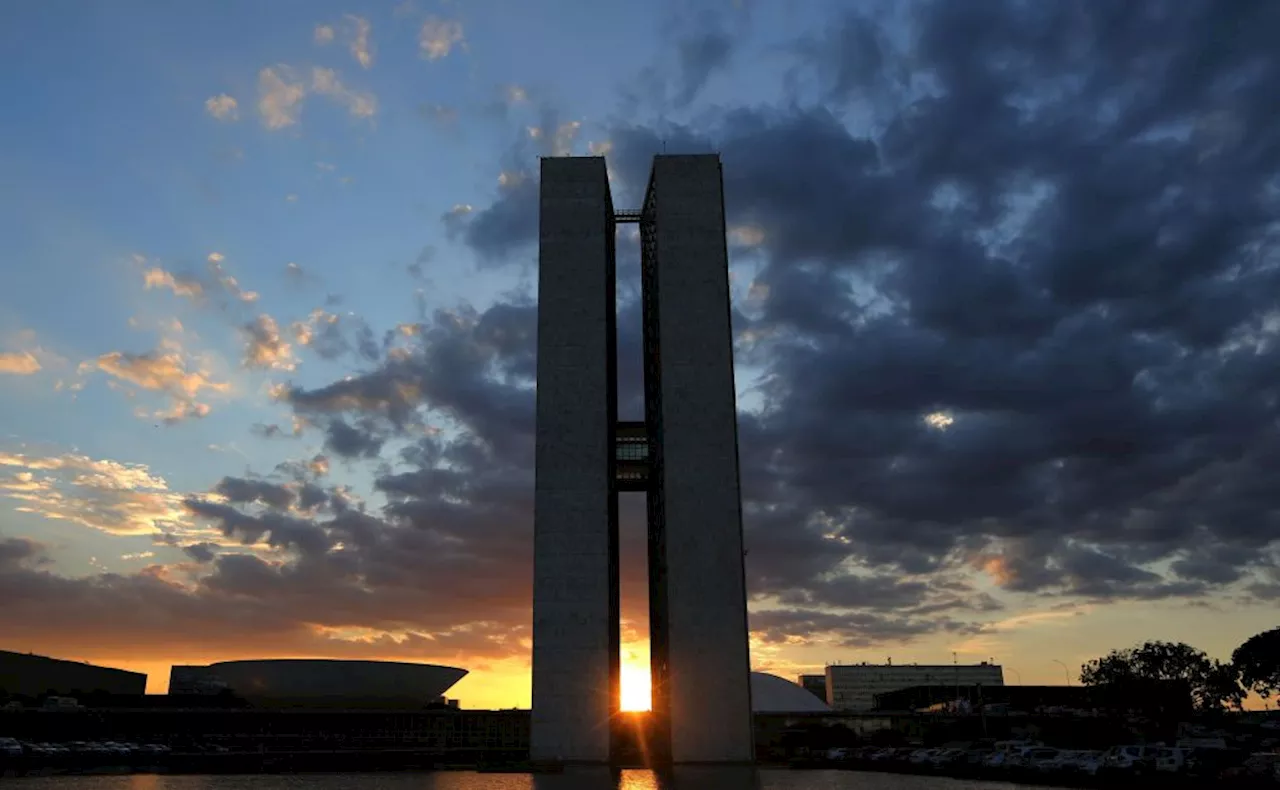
point(167, 370)
point(264, 346)
point(118, 498)
point(18, 363)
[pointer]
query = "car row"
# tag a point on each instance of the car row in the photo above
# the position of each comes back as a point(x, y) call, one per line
point(1031, 760)
point(111, 750)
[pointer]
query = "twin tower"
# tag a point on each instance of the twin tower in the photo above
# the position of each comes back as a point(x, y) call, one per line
point(683, 456)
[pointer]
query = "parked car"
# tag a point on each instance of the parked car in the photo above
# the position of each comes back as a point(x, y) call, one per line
point(1088, 762)
point(1172, 759)
point(1041, 759)
point(945, 758)
point(1131, 757)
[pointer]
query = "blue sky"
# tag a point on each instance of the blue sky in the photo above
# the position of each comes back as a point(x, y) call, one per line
point(246, 235)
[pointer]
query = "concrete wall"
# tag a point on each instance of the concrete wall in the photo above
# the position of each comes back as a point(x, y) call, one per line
point(574, 598)
point(706, 623)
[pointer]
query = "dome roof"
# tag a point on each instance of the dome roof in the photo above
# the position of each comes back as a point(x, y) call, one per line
point(323, 681)
point(772, 694)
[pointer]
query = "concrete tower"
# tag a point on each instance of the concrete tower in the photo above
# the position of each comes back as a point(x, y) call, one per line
point(684, 456)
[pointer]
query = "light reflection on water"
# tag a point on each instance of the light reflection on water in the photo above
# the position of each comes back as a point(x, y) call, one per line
point(583, 779)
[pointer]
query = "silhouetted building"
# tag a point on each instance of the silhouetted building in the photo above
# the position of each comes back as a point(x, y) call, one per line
point(1156, 698)
point(319, 682)
point(815, 685)
point(683, 457)
point(28, 675)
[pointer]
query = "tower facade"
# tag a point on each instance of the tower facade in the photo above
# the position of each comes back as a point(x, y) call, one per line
point(684, 456)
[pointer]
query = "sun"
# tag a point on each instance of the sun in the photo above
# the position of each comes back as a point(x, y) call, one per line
point(636, 694)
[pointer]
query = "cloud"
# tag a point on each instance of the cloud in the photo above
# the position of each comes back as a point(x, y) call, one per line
point(326, 82)
point(361, 46)
point(222, 107)
point(992, 332)
point(214, 283)
point(273, 431)
point(264, 347)
point(332, 336)
point(169, 370)
point(509, 225)
point(316, 569)
point(19, 363)
point(700, 56)
point(27, 356)
point(181, 285)
point(280, 97)
point(356, 32)
point(117, 498)
point(857, 630)
point(220, 600)
point(438, 37)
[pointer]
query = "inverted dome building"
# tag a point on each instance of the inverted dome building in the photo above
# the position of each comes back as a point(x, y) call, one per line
point(319, 683)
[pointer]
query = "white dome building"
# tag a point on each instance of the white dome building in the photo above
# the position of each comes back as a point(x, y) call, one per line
point(772, 694)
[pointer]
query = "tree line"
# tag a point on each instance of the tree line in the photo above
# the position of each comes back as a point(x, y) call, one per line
point(1215, 685)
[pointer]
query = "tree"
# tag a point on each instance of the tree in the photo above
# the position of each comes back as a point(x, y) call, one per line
point(1213, 684)
point(1258, 662)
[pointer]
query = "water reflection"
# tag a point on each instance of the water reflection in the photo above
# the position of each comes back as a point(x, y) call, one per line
point(684, 778)
point(574, 779)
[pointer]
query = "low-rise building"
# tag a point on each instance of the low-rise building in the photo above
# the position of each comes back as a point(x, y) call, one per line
point(815, 685)
point(854, 687)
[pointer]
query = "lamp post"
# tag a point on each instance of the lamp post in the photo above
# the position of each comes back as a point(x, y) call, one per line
point(1066, 673)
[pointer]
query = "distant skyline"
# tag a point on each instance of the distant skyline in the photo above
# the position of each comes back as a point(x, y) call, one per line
point(1005, 289)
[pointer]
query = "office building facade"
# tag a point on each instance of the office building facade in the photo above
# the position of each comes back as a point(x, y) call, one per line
point(683, 456)
point(853, 687)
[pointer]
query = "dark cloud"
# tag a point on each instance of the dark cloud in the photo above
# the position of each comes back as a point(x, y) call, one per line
point(277, 609)
point(18, 551)
point(333, 335)
point(242, 491)
point(201, 552)
point(272, 431)
point(352, 441)
point(700, 56)
point(855, 630)
point(507, 225)
point(1023, 312)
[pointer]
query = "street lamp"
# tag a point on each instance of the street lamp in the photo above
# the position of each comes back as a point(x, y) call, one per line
point(1066, 673)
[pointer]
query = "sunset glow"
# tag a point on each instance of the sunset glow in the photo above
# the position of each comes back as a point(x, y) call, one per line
point(636, 690)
